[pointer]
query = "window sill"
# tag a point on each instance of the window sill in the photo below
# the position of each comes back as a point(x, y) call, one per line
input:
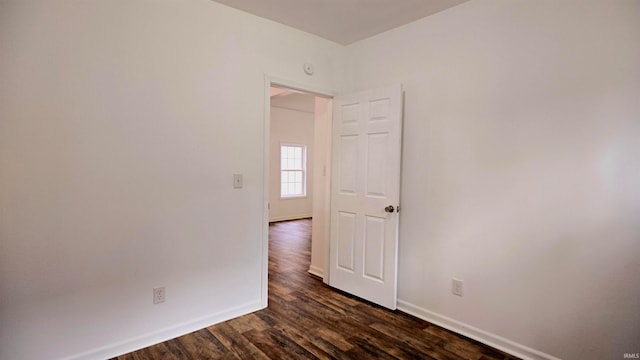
point(293, 197)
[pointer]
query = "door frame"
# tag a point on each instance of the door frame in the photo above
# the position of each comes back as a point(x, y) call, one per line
point(269, 81)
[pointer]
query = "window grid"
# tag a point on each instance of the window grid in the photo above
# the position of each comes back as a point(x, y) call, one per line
point(292, 170)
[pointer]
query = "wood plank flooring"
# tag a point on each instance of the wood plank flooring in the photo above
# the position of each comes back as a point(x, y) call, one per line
point(308, 320)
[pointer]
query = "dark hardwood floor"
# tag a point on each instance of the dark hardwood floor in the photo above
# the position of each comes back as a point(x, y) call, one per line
point(308, 320)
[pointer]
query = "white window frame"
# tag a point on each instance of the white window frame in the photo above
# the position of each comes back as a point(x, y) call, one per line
point(302, 170)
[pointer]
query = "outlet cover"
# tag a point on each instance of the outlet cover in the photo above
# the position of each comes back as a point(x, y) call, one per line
point(456, 287)
point(158, 295)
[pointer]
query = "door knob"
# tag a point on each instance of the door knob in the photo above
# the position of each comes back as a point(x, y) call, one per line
point(389, 208)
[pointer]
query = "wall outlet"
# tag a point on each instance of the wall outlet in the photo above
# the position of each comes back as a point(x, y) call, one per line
point(158, 295)
point(456, 287)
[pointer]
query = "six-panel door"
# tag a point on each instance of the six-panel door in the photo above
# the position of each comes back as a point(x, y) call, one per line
point(366, 180)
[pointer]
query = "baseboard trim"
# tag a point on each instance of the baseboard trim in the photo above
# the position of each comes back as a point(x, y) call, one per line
point(314, 270)
point(485, 337)
point(140, 342)
point(291, 217)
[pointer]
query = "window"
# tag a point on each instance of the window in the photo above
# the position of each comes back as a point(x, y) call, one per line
point(293, 163)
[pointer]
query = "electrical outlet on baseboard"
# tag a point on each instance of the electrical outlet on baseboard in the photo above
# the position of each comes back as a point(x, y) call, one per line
point(456, 287)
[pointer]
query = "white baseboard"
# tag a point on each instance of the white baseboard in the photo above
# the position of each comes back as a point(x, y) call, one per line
point(493, 340)
point(140, 342)
point(290, 217)
point(314, 270)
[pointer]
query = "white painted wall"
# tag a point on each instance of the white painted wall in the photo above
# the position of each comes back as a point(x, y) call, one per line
point(122, 121)
point(292, 122)
point(520, 171)
point(121, 124)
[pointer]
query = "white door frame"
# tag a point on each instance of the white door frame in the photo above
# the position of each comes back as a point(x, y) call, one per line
point(269, 81)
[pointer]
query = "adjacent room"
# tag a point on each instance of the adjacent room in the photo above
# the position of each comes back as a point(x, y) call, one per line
point(135, 170)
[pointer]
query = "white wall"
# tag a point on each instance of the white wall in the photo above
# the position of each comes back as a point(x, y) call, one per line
point(520, 171)
point(292, 122)
point(121, 124)
point(122, 121)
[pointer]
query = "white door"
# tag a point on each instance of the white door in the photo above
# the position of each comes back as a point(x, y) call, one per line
point(365, 194)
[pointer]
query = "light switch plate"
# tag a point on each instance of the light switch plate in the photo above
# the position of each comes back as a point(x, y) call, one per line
point(237, 181)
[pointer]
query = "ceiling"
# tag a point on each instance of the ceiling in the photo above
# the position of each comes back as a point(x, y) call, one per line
point(342, 21)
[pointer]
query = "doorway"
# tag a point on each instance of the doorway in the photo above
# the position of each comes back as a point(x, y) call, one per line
point(362, 202)
point(298, 123)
